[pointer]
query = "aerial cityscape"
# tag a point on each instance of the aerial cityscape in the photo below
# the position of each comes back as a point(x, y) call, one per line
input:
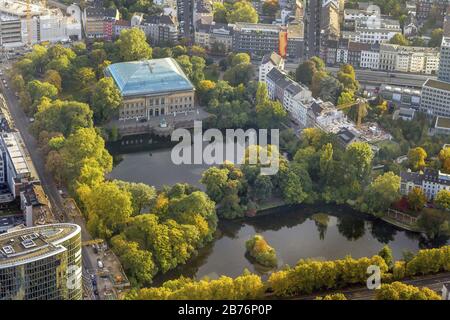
point(225, 150)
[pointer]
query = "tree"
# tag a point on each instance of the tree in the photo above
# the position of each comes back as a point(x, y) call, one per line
point(416, 158)
point(335, 296)
point(84, 143)
point(62, 116)
point(386, 254)
point(242, 11)
point(270, 114)
point(320, 64)
point(263, 187)
point(401, 291)
point(305, 72)
point(347, 76)
point(444, 158)
point(434, 222)
point(215, 180)
point(443, 199)
point(436, 38)
point(245, 287)
point(240, 58)
point(358, 158)
point(84, 78)
point(133, 45)
point(142, 195)
point(270, 7)
point(38, 90)
point(53, 77)
point(137, 263)
point(106, 99)
point(416, 199)
point(205, 89)
point(179, 50)
point(382, 192)
point(258, 248)
point(240, 74)
point(220, 12)
point(346, 97)
point(399, 39)
point(329, 88)
point(326, 162)
point(292, 189)
point(317, 78)
point(108, 209)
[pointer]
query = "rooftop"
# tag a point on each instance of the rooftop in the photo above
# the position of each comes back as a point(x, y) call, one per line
point(436, 84)
point(102, 13)
point(442, 122)
point(25, 245)
point(149, 77)
point(16, 153)
point(273, 57)
point(428, 175)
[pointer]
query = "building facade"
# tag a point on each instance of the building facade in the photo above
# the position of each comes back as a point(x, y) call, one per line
point(41, 263)
point(408, 59)
point(152, 88)
point(99, 22)
point(256, 38)
point(16, 169)
point(430, 181)
point(435, 99)
point(269, 61)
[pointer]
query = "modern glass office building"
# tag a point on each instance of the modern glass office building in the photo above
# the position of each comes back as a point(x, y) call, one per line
point(41, 263)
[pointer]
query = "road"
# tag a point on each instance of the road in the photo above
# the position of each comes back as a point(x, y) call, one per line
point(434, 282)
point(48, 184)
point(377, 78)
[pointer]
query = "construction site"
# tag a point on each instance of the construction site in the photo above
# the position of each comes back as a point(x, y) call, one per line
point(30, 22)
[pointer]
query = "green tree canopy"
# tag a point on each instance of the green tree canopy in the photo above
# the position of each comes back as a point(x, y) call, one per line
point(133, 45)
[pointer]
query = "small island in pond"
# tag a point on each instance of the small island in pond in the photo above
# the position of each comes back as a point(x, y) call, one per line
point(258, 248)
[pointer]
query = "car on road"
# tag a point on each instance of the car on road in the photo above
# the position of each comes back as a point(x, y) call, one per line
point(99, 263)
point(31, 120)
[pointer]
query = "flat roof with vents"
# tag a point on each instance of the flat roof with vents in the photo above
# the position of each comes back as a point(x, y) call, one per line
point(28, 244)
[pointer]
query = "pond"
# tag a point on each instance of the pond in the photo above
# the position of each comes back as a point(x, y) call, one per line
point(317, 231)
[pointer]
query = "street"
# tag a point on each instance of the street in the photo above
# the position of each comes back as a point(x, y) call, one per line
point(377, 78)
point(48, 184)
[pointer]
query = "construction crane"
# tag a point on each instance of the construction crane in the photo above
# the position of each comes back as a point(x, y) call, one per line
point(360, 103)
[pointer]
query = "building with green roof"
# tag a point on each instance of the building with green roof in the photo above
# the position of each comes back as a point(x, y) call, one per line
point(151, 88)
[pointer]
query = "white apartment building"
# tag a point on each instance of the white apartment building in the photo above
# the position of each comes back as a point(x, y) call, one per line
point(297, 99)
point(269, 61)
point(435, 99)
point(430, 181)
point(294, 97)
point(342, 55)
point(444, 63)
point(370, 59)
point(408, 59)
point(15, 169)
